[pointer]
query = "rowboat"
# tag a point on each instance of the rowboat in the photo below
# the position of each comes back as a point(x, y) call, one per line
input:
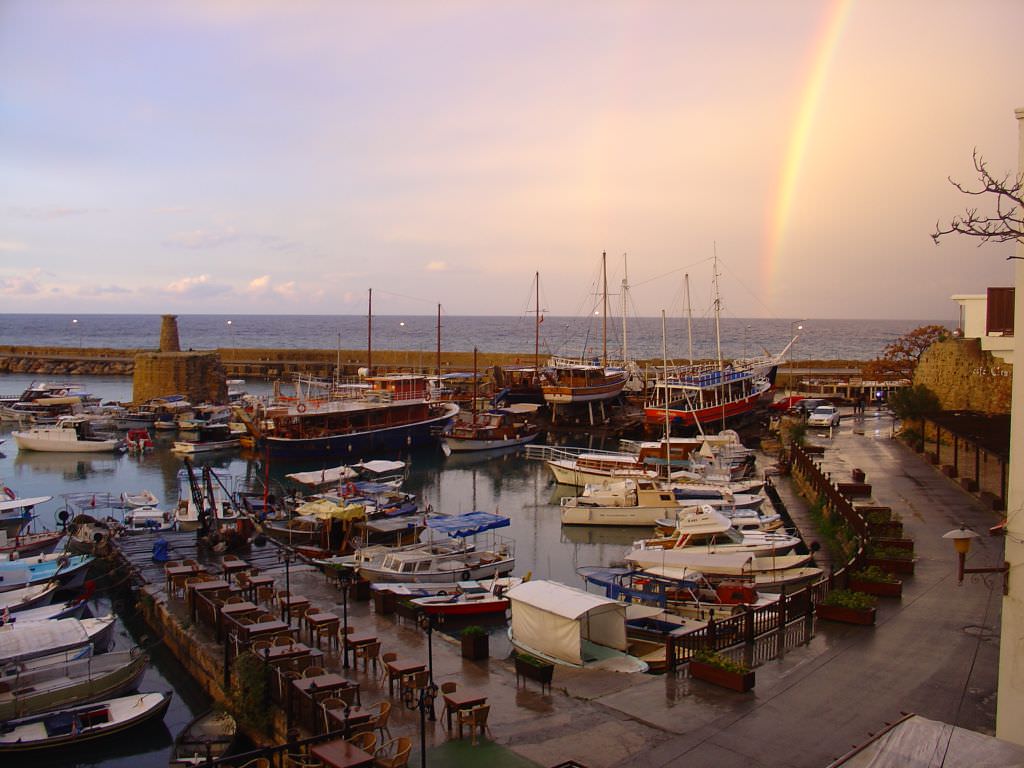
point(27, 597)
point(208, 737)
point(75, 725)
point(70, 682)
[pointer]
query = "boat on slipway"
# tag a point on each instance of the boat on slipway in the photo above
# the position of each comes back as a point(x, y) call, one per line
point(378, 413)
point(76, 725)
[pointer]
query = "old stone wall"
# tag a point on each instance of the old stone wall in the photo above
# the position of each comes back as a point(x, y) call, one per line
point(965, 377)
point(199, 376)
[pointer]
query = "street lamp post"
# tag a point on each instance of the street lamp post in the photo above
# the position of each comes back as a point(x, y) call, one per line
point(428, 623)
point(421, 699)
point(286, 608)
point(344, 581)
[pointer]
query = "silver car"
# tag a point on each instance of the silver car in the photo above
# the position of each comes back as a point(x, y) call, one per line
point(824, 416)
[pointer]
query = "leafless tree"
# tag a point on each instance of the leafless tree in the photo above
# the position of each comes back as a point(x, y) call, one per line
point(1007, 224)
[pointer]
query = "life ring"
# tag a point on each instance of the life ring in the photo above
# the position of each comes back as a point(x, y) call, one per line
point(9, 493)
point(301, 407)
point(426, 396)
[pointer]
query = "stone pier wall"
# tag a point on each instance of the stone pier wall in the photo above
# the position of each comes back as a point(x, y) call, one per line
point(199, 376)
point(965, 377)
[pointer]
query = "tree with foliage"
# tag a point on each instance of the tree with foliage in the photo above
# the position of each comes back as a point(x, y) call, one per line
point(900, 358)
point(1006, 224)
point(911, 405)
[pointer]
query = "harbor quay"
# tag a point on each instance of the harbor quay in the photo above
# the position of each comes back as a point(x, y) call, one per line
point(817, 694)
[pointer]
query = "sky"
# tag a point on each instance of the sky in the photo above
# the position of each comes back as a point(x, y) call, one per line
point(287, 157)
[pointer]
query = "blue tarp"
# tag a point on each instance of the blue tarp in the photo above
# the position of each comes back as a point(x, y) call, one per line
point(468, 524)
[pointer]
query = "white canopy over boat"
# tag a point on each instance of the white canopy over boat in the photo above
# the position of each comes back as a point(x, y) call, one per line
point(556, 620)
point(381, 466)
point(9, 504)
point(40, 638)
point(323, 476)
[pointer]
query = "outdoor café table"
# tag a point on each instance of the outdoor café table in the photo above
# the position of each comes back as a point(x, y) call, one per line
point(356, 716)
point(457, 700)
point(231, 567)
point(294, 605)
point(181, 570)
point(308, 686)
point(400, 667)
point(282, 654)
point(341, 754)
point(352, 641)
point(231, 612)
point(255, 582)
point(322, 621)
point(207, 589)
point(249, 632)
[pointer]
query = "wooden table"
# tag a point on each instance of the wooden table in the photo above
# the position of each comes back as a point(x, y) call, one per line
point(309, 687)
point(341, 754)
point(232, 612)
point(400, 667)
point(352, 641)
point(357, 716)
point(323, 622)
point(180, 570)
point(294, 604)
point(255, 582)
point(457, 700)
point(231, 567)
point(206, 589)
point(263, 629)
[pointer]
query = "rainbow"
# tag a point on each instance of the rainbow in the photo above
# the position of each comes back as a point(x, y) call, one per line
point(778, 217)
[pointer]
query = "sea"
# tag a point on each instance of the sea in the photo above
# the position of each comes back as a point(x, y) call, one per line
point(505, 482)
point(571, 336)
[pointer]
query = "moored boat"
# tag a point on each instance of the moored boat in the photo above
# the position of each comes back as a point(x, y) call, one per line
point(71, 434)
point(207, 737)
point(496, 428)
point(75, 725)
point(22, 642)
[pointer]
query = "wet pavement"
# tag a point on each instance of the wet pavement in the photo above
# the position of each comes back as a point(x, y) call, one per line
point(934, 653)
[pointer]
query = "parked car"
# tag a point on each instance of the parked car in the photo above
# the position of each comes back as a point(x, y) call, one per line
point(824, 416)
point(805, 406)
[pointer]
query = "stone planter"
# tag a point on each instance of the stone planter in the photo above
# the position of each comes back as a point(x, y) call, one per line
point(864, 616)
point(475, 647)
point(534, 669)
point(384, 601)
point(877, 588)
point(890, 530)
point(734, 681)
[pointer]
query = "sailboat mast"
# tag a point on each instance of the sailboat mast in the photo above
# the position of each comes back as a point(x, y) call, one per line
point(625, 288)
point(438, 345)
point(664, 363)
point(718, 307)
point(604, 310)
point(369, 334)
point(536, 329)
point(689, 315)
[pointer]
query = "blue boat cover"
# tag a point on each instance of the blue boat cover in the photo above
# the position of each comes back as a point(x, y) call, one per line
point(468, 524)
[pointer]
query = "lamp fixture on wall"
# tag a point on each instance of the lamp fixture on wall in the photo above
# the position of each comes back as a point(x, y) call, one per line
point(962, 543)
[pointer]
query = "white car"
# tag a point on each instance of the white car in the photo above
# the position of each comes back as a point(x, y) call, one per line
point(824, 416)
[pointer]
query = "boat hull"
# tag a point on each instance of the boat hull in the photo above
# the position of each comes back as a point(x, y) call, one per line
point(459, 444)
point(27, 442)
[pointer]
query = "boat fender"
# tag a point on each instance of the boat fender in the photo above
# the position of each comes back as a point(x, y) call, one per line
point(465, 575)
point(301, 407)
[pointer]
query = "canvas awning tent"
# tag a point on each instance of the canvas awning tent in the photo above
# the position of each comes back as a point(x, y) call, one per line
point(555, 620)
point(917, 742)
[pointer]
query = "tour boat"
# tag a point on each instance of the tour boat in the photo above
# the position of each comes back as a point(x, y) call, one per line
point(496, 428)
point(75, 725)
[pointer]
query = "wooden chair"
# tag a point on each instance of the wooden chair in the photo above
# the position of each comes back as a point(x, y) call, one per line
point(314, 672)
point(234, 599)
point(330, 702)
point(366, 741)
point(394, 753)
point(368, 653)
point(265, 595)
point(386, 659)
point(380, 720)
point(448, 687)
point(414, 681)
point(259, 646)
point(476, 719)
point(280, 640)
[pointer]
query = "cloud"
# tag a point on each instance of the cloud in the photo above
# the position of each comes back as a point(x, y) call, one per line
point(47, 213)
point(103, 290)
point(199, 239)
point(259, 284)
point(287, 290)
point(199, 286)
point(10, 246)
point(20, 285)
point(436, 266)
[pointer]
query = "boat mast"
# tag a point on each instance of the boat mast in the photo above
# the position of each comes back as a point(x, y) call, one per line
point(664, 362)
point(689, 315)
point(369, 334)
point(439, 345)
point(475, 392)
point(625, 289)
point(536, 330)
point(604, 309)
point(722, 391)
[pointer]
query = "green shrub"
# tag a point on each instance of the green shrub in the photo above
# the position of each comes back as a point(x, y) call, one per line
point(713, 659)
point(473, 630)
point(890, 553)
point(533, 661)
point(874, 573)
point(250, 693)
point(846, 598)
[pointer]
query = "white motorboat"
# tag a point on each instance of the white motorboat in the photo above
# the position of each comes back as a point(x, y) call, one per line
point(147, 520)
point(704, 529)
point(143, 498)
point(71, 434)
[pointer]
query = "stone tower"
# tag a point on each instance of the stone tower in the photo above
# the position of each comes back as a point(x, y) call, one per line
point(169, 334)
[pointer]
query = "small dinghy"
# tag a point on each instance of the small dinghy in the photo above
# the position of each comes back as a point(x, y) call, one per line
point(75, 725)
point(208, 737)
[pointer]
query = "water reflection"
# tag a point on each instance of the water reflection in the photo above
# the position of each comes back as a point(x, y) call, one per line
point(71, 466)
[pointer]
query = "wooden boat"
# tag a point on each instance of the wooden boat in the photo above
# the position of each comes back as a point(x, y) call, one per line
point(208, 737)
point(28, 543)
point(147, 520)
point(496, 428)
point(23, 598)
point(469, 598)
point(75, 725)
point(21, 642)
point(72, 609)
point(24, 572)
point(16, 513)
point(70, 682)
point(209, 437)
point(71, 434)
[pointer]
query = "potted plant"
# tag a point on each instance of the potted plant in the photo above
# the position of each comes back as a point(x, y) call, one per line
point(892, 559)
point(847, 606)
point(875, 581)
point(407, 609)
point(475, 643)
point(531, 667)
point(720, 670)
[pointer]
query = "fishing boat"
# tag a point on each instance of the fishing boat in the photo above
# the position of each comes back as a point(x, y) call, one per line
point(28, 543)
point(16, 513)
point(147, 520)
point(209, 736)
point(75, 725)
point(30, 640)
point(460, 564)
point(70, 682)
point(210, 493)
point(26, 597)
point(71, 434)
point(69, 571)
point(495, 428)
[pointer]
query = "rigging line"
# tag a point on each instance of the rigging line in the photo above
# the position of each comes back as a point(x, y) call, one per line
point(670, 272)
point(404, 296)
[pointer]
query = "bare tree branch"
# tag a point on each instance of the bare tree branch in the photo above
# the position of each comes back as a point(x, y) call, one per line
point(1008, 222)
